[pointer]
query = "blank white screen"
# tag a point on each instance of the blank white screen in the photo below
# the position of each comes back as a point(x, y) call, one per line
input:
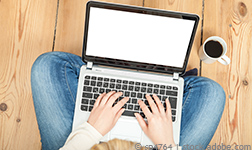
point(138, 37)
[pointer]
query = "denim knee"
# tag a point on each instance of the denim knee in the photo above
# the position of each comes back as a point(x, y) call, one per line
point(207, 87)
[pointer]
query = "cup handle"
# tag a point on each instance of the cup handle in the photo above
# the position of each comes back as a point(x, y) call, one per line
point(224, 60)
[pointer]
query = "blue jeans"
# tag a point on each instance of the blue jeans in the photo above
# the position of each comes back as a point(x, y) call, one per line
point(54, 80)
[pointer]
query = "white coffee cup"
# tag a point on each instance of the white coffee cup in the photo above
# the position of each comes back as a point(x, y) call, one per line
point(214, 48)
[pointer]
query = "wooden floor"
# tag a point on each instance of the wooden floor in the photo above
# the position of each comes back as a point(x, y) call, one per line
point(29, 28)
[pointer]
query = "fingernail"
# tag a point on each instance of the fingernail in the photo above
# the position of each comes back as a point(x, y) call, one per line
point(147, 94)
point(154, 95)
point(135, 115)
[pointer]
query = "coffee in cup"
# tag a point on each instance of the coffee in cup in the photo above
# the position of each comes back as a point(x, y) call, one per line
point(214, 48)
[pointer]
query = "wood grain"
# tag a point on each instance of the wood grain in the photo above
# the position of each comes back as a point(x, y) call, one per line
point(232, 21)
point(70, 28)
point(190, 6)
point(27, 30)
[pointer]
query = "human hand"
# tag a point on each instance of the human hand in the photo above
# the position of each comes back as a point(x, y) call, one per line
point(103, 116)
point(159, 128)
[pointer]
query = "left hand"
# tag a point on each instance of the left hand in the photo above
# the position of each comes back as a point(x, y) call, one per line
point(103, 116)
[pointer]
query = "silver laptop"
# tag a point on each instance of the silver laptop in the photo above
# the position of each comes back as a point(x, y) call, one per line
point(134, 50)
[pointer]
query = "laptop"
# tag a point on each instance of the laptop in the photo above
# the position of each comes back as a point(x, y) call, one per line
point(135, 50)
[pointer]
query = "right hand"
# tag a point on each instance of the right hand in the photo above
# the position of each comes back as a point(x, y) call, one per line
point(159, 128)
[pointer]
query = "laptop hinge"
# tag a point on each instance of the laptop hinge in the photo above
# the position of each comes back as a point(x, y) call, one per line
point(89, 65)
point(175, 76)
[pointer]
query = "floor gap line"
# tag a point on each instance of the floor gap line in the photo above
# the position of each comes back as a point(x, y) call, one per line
point(55, 27)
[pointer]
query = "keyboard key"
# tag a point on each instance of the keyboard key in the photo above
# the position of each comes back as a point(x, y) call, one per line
point(137, 88)
point(87, 77)
point(90, 108)
point(143, 89)
point(127, 93)
point(112, 85)
point(100, 78)
point(144, 84)
point(106, 79)
point(162, 86)
point(173, 102)
point(173, 112)
point(93, 83)
point(128, 113)
point(124, 87)
point(172, 93)
point(156, 91)
point(93, 78)
point(146, 102)
point(173, 119)
point(156, 86)
point(149, 90)
point(162, 92)
point(84, 107)
point(137, 83)
point(118, 86)
point(96, 96)
point(139, 95)
point(168, 87)
point(102, 90)
point(133, 94)
point(95, 89)
point(175, 88)
point(150, 85)
point(125, 82)
point(164, 98)
point(91, 102)
point(112, 80)
point(86, 82)
point(130, 107)
point(159, 96)
point(142, 114)
point(88, 89)
point(99, 84)
point(136, 107)
point(108, 90)
point(84, 101)
point(119, 81)
point(134, 101)
point(105, 84)
point(87, 95)
point(131, 88)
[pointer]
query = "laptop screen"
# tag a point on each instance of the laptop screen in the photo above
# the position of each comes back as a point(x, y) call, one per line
point(138, 37)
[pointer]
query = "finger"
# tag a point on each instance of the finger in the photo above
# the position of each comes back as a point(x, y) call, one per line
point(120, 104)
point(118, 115)
point(98, 100)
point(168, 108)
point(113, 97)
point(145, 109)
point(152, 104)
point(106, 97)
point(141, 122)
point(159, 104)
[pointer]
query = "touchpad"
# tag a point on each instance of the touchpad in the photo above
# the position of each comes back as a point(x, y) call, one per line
point(128, 129)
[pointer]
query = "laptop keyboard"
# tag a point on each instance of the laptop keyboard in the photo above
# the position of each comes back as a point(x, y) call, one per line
point(94, 86)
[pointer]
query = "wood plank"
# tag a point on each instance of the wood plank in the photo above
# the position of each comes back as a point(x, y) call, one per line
point(70, 26)
point(231, 20)
point(27, 30)
point(191, 6)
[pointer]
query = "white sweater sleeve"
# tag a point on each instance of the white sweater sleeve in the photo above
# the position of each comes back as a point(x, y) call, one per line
point(84, 137)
